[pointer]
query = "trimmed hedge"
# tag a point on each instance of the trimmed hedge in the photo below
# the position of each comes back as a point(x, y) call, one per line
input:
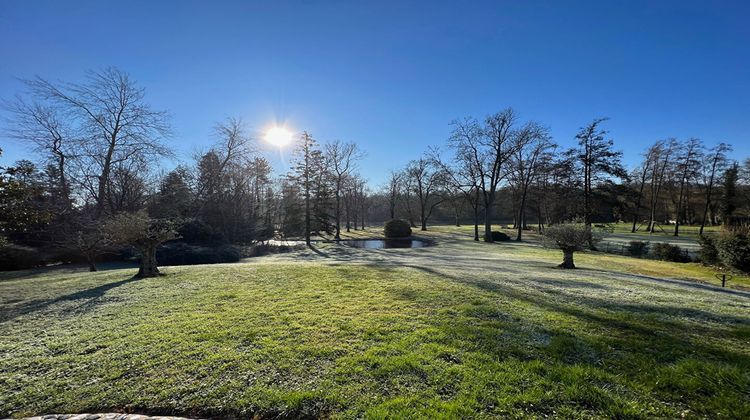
point(669, 252)
point(397, 228)
point(638, 248)
point(500, 236)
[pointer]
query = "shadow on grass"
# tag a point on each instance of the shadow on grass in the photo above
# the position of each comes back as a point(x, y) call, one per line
point(648, 322)
point(640, 347)
point(63, 269)
point(90, 296)
point(674, 282)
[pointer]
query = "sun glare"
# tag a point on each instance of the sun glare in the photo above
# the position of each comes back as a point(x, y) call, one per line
point(278, 136)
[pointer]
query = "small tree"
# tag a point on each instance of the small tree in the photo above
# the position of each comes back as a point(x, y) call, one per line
point(144, 234)
point(569, 237)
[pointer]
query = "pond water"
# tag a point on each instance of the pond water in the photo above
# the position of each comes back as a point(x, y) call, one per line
point(385, 243)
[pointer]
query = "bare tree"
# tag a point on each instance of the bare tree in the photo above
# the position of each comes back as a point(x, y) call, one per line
point(42, 125)
point(393, 192)
point(687, 168)
point(341, 159)
point(117, 123)
point(464, 174)
point(427, 179)
point(717, 162)
point(642, 173)
point(488, 148)
point(659, 169)
point(534, 144)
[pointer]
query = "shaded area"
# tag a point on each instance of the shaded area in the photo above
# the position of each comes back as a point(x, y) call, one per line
point(88, 297)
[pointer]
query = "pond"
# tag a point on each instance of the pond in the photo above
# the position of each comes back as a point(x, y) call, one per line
point(386, 243)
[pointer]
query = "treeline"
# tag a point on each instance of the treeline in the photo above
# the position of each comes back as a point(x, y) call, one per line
point(506, 170)
point(99, 147)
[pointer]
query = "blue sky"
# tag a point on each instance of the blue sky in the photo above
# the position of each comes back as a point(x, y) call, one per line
point(391, 76)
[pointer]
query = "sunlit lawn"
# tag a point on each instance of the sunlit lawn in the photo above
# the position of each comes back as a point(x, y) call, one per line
point(326, 338)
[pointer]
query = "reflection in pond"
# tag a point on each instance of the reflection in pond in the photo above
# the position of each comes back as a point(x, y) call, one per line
point(385, 243)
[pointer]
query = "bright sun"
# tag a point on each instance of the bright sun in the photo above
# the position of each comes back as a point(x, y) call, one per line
point(278, 136)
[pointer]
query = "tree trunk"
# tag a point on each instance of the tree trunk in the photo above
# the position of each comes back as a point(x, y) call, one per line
point(567, 260)
point(476, 222)
point(308, 224)
point(338, 215)
point(709, 187)
point(148, 267)
point(487, 224)
point(521, 216)
point(92, 264)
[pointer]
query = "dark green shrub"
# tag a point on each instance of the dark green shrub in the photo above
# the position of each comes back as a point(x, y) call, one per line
point(397, 228)
point(669, 252)
point(500, 237)
point(17, 257)
point(708, 253)
point(638, 248)
point(734, 250)
point(195, 231)
point(181, 253)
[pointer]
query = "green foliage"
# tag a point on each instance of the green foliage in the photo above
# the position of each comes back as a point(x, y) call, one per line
point(22, 199)
point(734, 249)
point(17, 257)
point(569, 237)
point(669, 252)
point(196, 231)
point(638, 248)
point(180, 253)
point(728, 202)
point(397, 228)
point(138, 230)
point(708, 254)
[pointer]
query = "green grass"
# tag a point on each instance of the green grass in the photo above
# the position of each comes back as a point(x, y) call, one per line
point(664, 230)
point(339, 335)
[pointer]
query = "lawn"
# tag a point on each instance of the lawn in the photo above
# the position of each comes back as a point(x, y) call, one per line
point(456, 330)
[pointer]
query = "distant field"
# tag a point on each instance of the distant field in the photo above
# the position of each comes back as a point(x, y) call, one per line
point(458, 330)
point(665, 230)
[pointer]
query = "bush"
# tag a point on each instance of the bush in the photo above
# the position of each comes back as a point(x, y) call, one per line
point(569, 238)
point(669, 252)
point(195, 231)
point(734, 250)
point(17, 257)
point(181, 253)
point(397, 228)
point(638, 248)
point(708, 253)
point(500, 237)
